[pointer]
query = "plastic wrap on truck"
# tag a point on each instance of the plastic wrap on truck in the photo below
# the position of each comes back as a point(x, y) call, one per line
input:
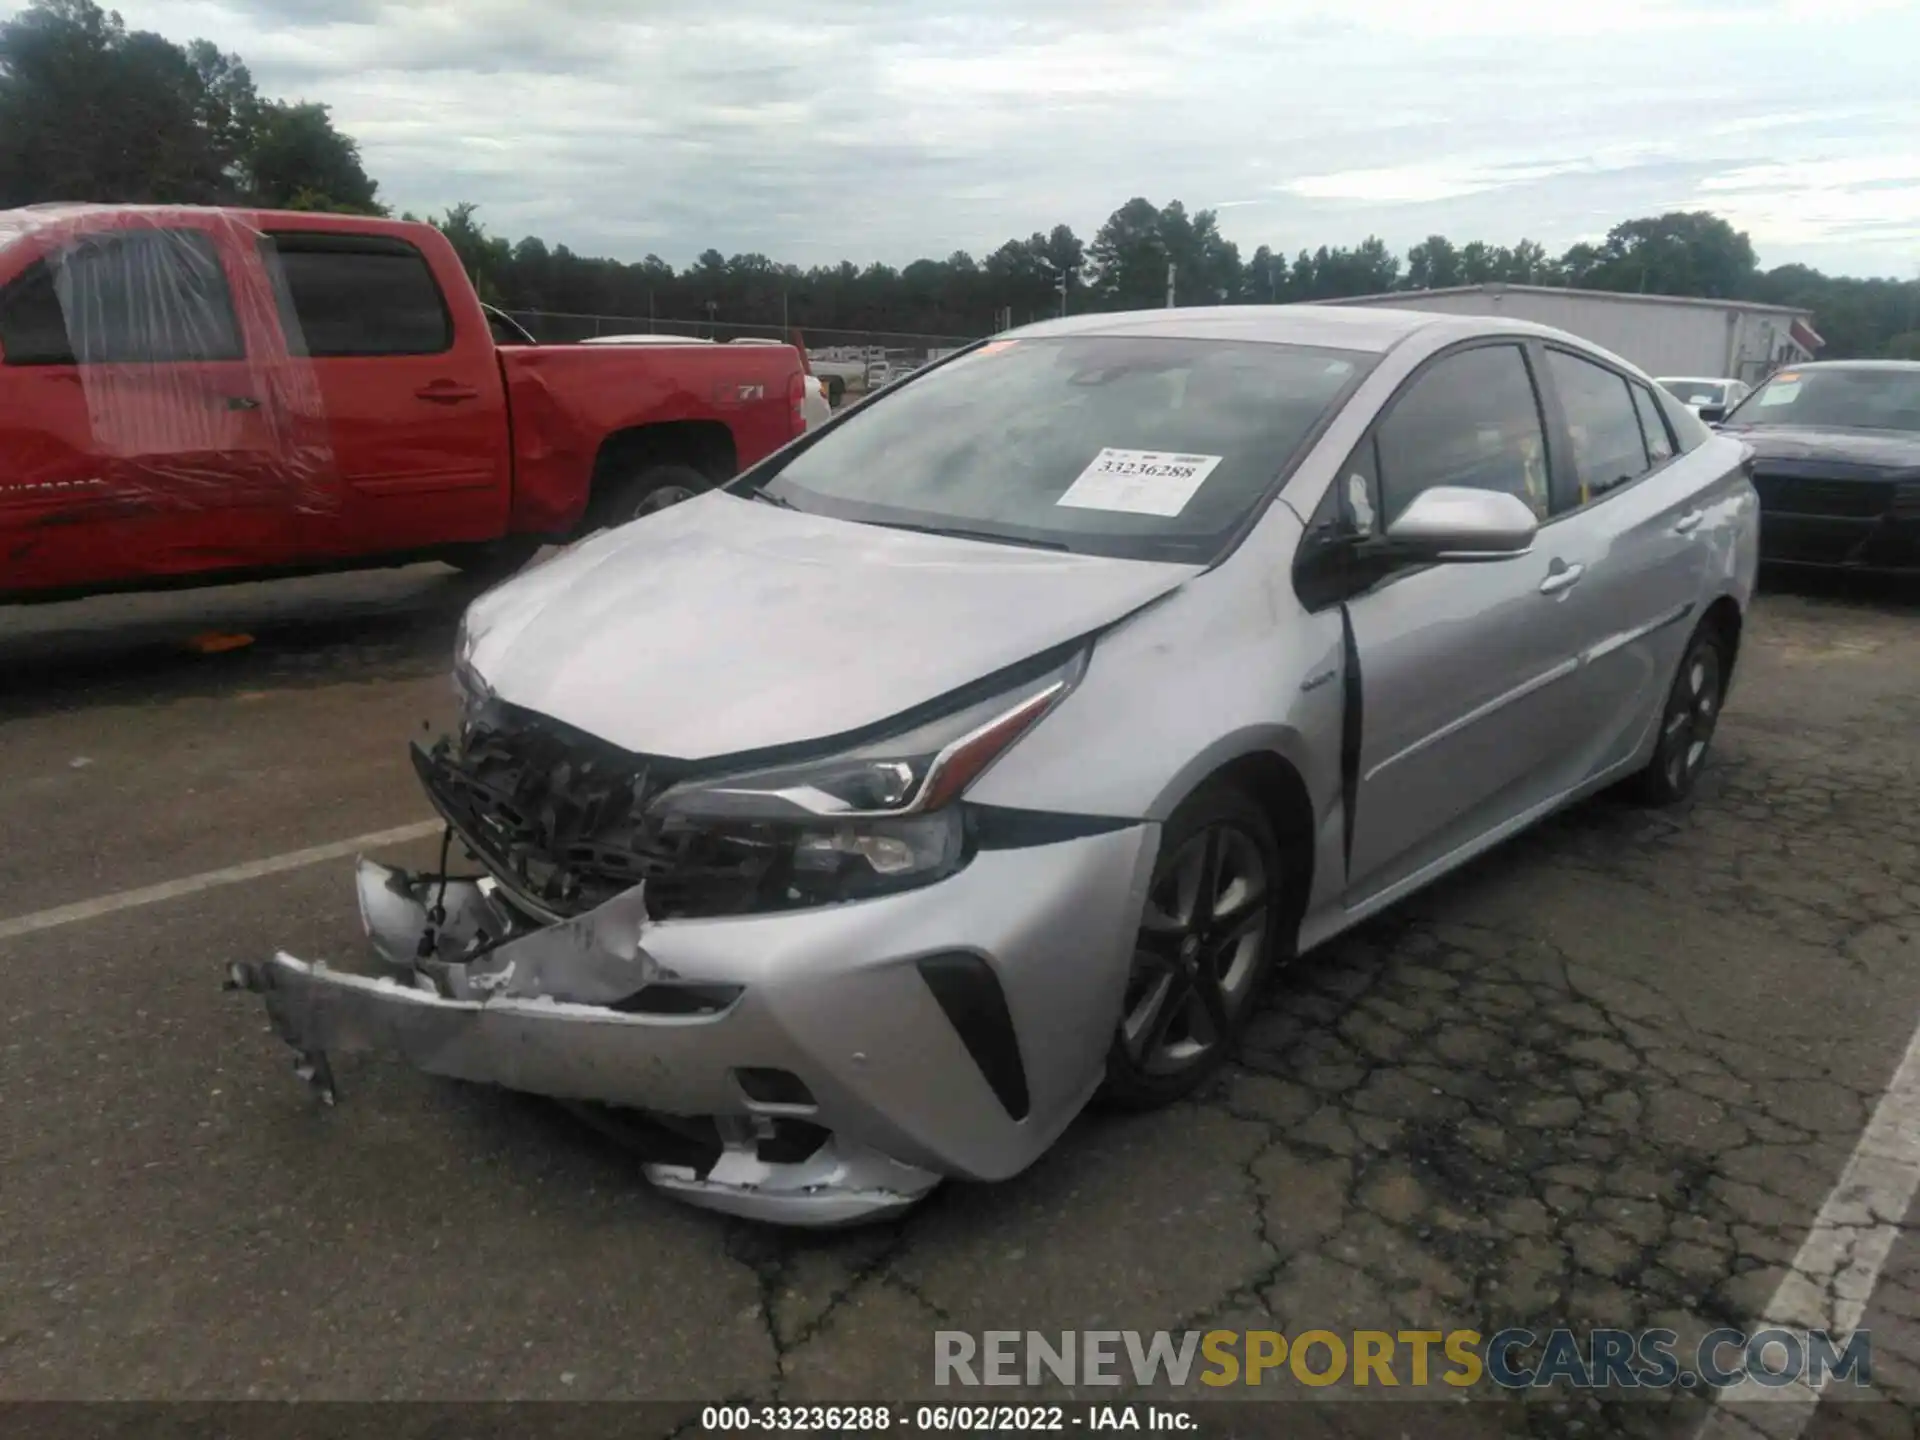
point(160, 367)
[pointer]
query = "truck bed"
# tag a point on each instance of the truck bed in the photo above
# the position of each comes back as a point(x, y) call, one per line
point(570, 402)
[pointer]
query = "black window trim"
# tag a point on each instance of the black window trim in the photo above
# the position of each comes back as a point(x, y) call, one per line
point(339, 242)
point(1566, 482)
point(44, 262)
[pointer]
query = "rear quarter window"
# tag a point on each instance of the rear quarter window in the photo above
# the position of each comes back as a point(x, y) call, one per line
point(1690, 432)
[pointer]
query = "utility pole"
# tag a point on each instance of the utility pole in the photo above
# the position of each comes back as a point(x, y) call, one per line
point(1170, 274)
point(783, 312)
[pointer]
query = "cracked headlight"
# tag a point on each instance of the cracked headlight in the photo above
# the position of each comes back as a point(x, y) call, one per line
point(880, 816)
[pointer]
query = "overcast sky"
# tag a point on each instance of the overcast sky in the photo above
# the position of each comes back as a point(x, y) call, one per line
point(814, 130)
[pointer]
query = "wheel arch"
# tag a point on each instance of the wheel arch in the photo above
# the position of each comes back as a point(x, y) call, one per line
point(1726, 619)
point(707, 445)
point(1275, 782)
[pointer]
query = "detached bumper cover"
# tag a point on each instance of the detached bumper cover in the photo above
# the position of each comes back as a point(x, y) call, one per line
point(885, 1083)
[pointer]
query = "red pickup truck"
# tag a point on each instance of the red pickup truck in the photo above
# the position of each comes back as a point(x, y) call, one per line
point(191, 395)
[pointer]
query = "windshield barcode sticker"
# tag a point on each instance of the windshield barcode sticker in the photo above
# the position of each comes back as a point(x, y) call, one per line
point(1139, 482)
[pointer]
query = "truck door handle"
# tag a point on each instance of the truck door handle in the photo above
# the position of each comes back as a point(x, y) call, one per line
point(242, 402)
point(1688, 523)
point(1565, 578)
point(447, 392)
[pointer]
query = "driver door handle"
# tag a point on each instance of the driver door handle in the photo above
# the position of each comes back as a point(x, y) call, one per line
point(1565, 578)
point(1688, 523)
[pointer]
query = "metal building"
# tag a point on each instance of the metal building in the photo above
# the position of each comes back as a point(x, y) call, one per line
point(1662, 334)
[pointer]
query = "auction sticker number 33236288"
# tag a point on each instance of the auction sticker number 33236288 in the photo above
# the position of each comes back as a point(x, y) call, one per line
point(1141, 482)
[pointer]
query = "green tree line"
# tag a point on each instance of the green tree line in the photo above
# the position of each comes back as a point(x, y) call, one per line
point(92, 111)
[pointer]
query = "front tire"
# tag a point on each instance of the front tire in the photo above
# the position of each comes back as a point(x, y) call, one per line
point(1687, 722)
point(1208, 939)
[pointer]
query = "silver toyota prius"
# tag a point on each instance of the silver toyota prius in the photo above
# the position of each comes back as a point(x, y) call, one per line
point(987, 750)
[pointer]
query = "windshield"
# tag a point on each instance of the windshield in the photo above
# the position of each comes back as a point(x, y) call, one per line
point(1141, 447)
point(1837, 399)
point(1697, 392)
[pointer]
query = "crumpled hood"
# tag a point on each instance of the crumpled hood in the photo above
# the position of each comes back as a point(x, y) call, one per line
point(1867, 451)
point(724, 625)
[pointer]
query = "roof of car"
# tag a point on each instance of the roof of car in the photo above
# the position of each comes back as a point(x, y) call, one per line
point(1369, 328)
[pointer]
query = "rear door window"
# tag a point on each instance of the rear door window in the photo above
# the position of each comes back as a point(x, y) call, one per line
point(1609, 448)
point(123, 298)
point(343, 295)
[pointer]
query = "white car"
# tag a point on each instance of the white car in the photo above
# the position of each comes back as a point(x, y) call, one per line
point(1697, 394)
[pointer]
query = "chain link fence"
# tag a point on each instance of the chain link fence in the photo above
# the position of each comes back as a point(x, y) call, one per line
point(848, 362)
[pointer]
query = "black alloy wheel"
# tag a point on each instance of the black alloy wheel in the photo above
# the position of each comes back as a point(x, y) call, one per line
point(1206, 944)
point(1687, 723)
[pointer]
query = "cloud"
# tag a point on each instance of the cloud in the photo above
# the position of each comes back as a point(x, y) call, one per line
point(813, 130)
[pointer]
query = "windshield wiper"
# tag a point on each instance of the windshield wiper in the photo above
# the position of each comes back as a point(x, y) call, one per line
point(767, 498)
point(991, 536)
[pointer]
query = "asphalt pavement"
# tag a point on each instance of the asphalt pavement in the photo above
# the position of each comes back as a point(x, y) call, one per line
point(1607, 1076)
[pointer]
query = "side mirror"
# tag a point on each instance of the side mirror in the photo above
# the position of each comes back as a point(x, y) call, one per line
point(1712, 414)
point(1452, 523)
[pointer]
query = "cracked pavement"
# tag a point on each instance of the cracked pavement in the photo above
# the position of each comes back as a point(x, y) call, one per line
point(1605, 1076)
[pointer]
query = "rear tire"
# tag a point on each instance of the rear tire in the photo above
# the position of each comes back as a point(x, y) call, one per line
point(1209, 936)
point(645, 491)
point(836, 389)
point(1687, 722)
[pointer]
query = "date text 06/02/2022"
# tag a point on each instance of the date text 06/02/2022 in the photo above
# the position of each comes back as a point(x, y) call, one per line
point(987, 1419)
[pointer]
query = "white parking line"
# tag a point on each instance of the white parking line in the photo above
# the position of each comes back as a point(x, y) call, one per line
point(211, 880)
point(1833, 1276)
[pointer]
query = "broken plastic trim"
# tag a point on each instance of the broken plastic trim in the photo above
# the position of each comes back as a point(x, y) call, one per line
point(537, 1012)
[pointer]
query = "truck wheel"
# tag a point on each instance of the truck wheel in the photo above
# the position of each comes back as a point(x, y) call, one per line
point(628, 497)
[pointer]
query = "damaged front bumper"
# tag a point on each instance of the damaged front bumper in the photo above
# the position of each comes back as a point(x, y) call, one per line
point(818, 1067)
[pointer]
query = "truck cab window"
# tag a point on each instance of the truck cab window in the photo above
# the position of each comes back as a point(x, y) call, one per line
point(33, 331)
point(344, 295)
point(134, 297)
